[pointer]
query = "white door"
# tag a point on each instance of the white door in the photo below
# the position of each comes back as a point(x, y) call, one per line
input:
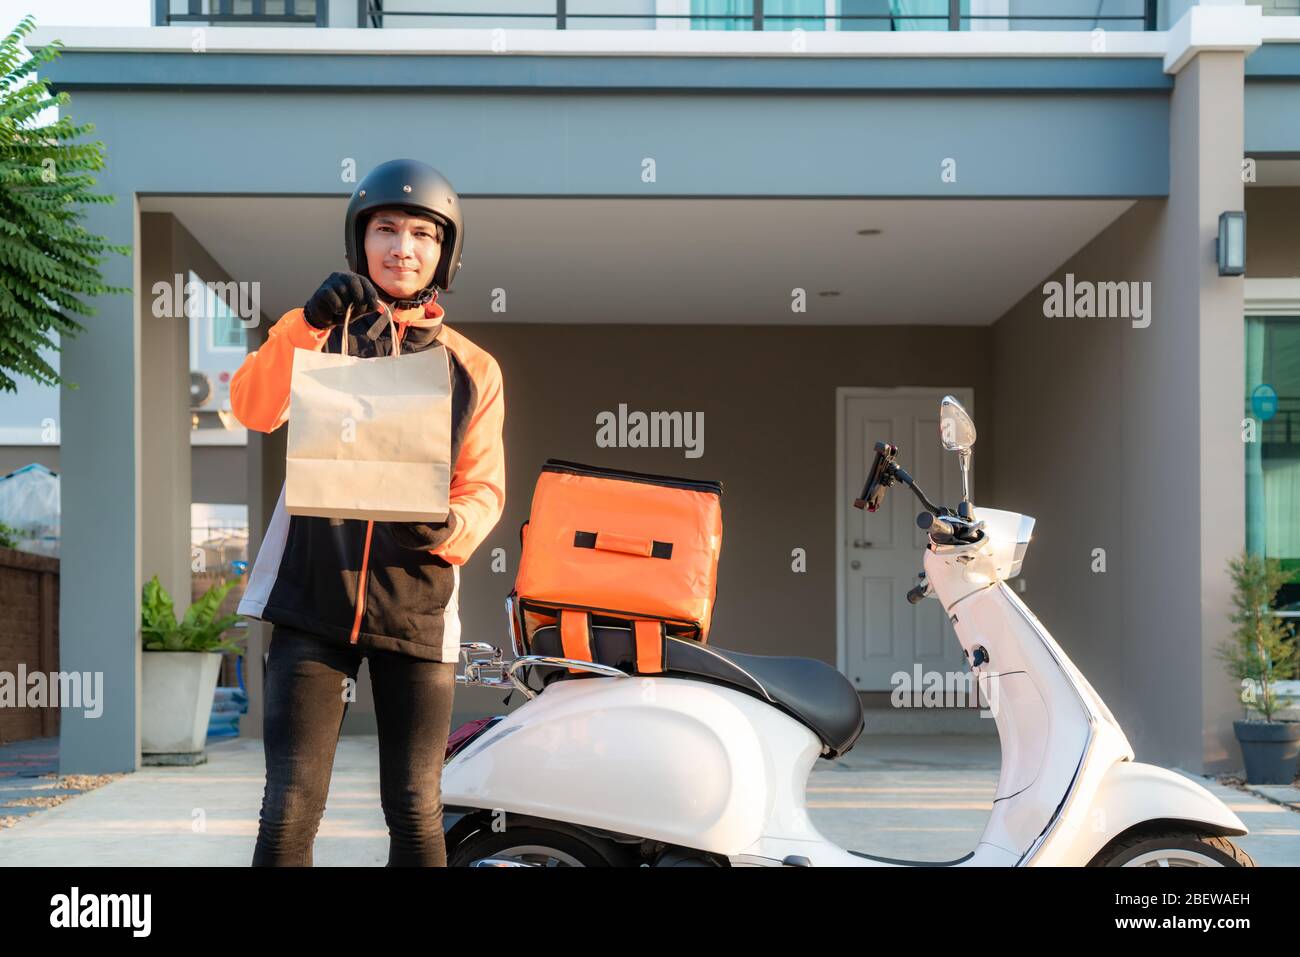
point(881, 551)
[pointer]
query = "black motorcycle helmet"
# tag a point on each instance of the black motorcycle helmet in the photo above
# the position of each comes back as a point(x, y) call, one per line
point(415, 186)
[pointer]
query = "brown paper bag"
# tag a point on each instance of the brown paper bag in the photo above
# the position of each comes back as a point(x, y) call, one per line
point(370, 438)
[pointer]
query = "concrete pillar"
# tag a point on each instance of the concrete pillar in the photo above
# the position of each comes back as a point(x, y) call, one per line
point(100, 548)
point(164, 412)
point(125, 484)
point(1127, 440)
point(1206, 149)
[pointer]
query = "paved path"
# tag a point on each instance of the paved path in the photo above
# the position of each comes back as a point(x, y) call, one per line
point(25, 784)
point(909, 796)
point(927, 798)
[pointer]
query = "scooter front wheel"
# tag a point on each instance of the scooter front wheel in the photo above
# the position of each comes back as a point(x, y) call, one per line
point(529, 847)
point(1171, 849)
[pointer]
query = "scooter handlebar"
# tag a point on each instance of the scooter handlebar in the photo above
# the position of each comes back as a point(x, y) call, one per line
point(935, 525)
point(948, 529)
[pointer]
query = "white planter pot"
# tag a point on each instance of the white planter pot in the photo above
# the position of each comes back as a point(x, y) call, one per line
point(176, 700)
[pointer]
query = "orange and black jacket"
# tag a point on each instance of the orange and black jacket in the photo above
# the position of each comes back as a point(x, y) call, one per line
point(393, 586)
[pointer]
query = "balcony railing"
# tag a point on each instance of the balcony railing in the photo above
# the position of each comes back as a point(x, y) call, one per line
point(1283, 427)
point(243, 12)
point(1277, 8)
point(943, 15)
point(746, 15)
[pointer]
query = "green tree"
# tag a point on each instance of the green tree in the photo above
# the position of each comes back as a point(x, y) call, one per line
point(1261, 650)
point(49, 262)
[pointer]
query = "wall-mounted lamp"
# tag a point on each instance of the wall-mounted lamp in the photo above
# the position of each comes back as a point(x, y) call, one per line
point(1230, 248)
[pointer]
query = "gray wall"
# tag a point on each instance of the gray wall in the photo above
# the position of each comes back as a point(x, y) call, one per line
point(16, 456)
point(219, 474)
point(1136, 446)
point(1075, 144)
point(768, 398)
point(1272, 246)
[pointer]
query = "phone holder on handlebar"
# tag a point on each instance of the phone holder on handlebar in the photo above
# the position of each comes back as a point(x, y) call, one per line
point(879, 479)
point(885, 471)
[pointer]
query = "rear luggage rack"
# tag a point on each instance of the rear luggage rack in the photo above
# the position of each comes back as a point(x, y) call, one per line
point(479, 656)
point(602, 616)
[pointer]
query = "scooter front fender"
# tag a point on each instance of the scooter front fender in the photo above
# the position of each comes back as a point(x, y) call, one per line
point(1131, 794)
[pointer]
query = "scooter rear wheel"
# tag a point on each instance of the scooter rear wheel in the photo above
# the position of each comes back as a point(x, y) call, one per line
point(1171, 849)
point(529, 847)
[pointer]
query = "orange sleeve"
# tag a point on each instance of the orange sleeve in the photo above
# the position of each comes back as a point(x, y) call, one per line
point(478, 483)
point(259, 389)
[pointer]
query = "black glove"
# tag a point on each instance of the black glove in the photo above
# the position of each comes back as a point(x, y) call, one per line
point(328, 304)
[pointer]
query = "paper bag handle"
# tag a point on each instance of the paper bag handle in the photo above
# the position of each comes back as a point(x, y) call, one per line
point(392, 326)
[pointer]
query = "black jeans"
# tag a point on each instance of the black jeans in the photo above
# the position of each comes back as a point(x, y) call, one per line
point(306, 700)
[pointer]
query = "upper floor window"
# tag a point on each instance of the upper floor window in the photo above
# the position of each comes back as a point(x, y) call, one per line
point(233, 12)
point(1273, 458)
point(1277, 8)
point(895, 15)
point(771, 15)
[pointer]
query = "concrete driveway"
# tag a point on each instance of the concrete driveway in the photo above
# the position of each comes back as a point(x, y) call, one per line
point(912, 796)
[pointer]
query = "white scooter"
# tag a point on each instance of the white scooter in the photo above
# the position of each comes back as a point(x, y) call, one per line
point(707, 764)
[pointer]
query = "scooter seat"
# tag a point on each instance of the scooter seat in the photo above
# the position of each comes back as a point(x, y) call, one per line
point(810, 691)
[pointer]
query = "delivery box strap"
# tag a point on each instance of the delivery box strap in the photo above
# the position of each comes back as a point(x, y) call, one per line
point(650, 642)
point(575, 639)
point(628, 544)
point(575, 635)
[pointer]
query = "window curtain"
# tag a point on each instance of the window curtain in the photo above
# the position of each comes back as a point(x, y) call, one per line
point(1282, 451)
point(1256, 519)
point(802, 14)
point(792, 8)
point(934, 11)
point(1273, 461)
point(807, 14)
point(1282, 501)
point(742, 10)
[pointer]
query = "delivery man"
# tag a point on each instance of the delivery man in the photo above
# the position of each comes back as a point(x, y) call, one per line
point(338, 590)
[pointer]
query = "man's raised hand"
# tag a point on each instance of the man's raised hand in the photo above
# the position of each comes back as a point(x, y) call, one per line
point(328, 305)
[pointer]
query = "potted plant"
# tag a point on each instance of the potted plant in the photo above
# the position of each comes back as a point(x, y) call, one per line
point(1260, 654)
point(180, 672)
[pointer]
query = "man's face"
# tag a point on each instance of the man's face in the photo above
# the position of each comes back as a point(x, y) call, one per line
point(402, 251)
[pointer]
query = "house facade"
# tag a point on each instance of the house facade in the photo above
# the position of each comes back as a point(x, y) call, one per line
point(791, 226)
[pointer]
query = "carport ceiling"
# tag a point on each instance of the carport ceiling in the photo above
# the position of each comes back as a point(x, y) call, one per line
point(943, 262)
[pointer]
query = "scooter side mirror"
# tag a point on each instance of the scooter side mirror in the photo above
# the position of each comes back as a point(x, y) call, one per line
point(957, 433)
point(956, 428)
